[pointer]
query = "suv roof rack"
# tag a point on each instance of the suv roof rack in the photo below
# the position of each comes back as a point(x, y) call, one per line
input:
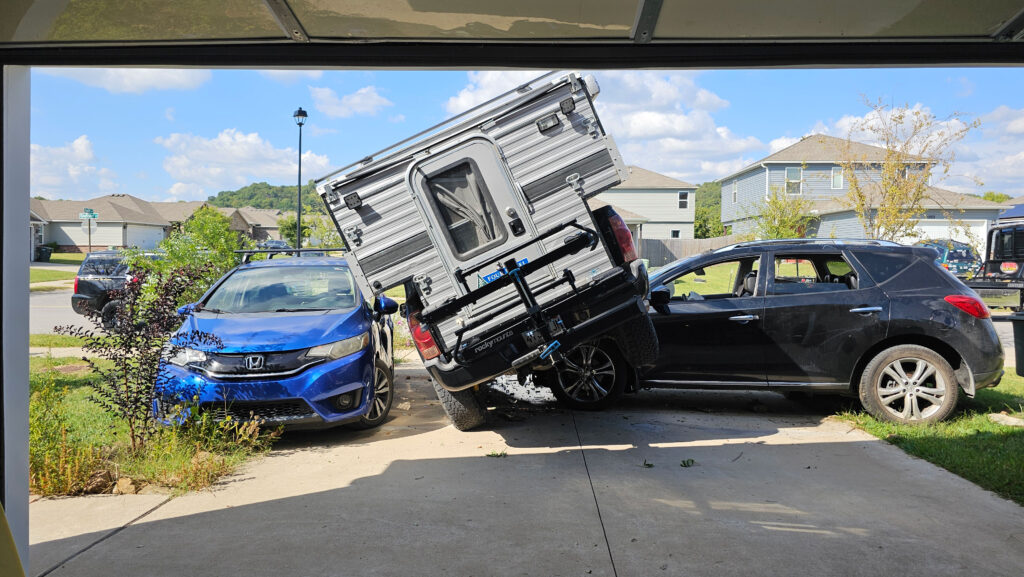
point(812, 241)
point(272, 252)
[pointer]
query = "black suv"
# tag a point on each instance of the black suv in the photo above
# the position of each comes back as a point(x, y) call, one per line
point(100, 273)
point(873, 319)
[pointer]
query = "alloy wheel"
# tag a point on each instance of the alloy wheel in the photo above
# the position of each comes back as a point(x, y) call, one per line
point(381, 391)
point(911, 389)
point(588, 374)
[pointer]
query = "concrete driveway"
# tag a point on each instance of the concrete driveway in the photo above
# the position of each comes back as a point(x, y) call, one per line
point(774, 488)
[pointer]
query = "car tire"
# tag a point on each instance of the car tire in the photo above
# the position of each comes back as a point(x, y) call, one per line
point(108, 314)
point(909, 384)
point(590, 377)
point(383, 398)
point(462, 407)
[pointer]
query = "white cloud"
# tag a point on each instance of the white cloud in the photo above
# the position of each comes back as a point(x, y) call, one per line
point(318, 130)
point(134, 80)
point(169, 114)
point(397, 119)
point(484, 86)
point(362, 102)
point(780, 143)
point(204, 166)
point(291, 76)
point(70, 171)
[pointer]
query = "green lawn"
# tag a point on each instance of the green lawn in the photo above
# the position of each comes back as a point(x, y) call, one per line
point(67, 257)
point(54, 341)
point(968, 444)
point(45, 274)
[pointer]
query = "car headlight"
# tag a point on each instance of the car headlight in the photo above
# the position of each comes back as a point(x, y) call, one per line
point(339, 349)
point(186, 356)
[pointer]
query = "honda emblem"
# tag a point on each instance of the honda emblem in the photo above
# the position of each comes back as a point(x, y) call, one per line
point(254, 362)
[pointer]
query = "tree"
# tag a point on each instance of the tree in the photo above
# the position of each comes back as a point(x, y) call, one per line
point(263, 195)
point(286, 224)
point(783, 216)
point(708, 214)
point(323, 230)
point(994, 196)
point(205, 241)
point(918, 153)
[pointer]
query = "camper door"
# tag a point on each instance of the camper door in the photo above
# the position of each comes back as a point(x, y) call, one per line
point(473, 207)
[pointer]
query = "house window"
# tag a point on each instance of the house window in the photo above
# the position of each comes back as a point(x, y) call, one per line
point(794, 176)
point(683, 198)
point(675, 234)
point(735, 190)
point(837, 177)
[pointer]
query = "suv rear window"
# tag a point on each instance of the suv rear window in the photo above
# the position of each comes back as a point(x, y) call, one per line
point(882, 266)
point(105, 265)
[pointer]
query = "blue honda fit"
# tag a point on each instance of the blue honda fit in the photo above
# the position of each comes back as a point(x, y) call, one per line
point(296, 345)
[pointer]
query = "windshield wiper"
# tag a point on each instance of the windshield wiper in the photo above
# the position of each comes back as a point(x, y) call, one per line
point(214, 311)
point(298, 310)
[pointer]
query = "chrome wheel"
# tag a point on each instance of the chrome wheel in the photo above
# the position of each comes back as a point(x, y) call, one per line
point(381, 394)
point(588, 374)
point(912, 389)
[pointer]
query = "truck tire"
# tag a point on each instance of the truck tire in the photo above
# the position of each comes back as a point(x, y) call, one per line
point(590, 377)
point(462, 407)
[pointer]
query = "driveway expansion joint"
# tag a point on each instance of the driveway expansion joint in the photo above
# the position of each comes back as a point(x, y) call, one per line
point(597, 505)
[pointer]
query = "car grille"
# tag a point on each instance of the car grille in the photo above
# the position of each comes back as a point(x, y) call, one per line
point(273, 364)
point(283, 411)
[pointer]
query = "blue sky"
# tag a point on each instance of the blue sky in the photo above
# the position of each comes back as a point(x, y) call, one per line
point(186, 134)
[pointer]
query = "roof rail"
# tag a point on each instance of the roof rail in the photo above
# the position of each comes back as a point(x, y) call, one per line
point(272, 252)
point(813, 241)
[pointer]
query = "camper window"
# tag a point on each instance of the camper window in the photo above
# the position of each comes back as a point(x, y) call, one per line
point(466, 209)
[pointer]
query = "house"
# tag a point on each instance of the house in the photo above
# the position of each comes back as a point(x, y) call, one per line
point(667, 204)
point(812, 168)
point(122, 221)
point(177, 213)
point(256, 223)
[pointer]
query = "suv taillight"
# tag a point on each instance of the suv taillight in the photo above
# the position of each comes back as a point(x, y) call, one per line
point(76, 285)
point(623, 238)
point(423, 339)
point(970, 305)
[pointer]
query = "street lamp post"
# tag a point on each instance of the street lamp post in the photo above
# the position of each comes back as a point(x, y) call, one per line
point(300, 119)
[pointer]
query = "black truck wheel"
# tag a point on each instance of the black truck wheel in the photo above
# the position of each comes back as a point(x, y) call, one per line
point(462, 407)
point(108, 315)
point(590, 377)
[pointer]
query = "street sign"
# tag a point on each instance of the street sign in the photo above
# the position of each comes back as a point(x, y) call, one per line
point(85, 215)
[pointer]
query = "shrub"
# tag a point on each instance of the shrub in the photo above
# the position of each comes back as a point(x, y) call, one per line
point(59, 464)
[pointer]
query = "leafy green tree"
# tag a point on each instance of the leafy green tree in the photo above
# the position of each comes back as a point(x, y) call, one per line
point(708, 214)
point(263, 195)
point(783, 216)
point(287, 226)
point(205, 239)
point(323, 230)
point(994, 196)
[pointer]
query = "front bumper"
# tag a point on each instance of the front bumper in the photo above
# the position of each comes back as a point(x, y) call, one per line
point(302, 401)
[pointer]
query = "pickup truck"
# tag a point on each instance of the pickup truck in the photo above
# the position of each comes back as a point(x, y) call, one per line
point(484, 220)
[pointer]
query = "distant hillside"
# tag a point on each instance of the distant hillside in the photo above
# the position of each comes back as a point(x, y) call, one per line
point(263, 195)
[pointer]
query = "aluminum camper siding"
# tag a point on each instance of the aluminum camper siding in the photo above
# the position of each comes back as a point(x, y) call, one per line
point(391, 241)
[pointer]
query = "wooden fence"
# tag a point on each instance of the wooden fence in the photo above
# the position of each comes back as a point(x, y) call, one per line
point(660, 252)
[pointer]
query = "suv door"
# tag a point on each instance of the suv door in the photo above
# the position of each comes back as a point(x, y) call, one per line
point(821, 314)
point(710, 332)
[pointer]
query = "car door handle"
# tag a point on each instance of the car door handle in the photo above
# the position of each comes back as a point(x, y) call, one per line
point(866, 310)
point(743, 319)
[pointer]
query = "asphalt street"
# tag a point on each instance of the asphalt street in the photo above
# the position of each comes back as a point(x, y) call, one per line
point(50, 309)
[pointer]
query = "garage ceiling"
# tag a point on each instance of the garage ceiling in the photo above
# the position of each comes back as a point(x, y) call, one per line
point(678, 32)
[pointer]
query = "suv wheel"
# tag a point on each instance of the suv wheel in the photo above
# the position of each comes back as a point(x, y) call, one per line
point(909, 384)
point(108, 315)
point(590, 377)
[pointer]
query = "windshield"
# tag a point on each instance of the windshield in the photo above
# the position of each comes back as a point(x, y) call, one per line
point(284, 289)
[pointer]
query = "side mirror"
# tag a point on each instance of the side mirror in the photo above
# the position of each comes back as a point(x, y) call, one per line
point(699, 272)
point(385, 306)
point(187, 309)
point(660, 296)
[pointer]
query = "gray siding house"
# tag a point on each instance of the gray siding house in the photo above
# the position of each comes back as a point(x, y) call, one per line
point(666, 204)
point(811, 167)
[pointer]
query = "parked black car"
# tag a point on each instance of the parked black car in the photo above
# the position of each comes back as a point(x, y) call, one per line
point(100, 273)
point(873, 319)
point(957, 257)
